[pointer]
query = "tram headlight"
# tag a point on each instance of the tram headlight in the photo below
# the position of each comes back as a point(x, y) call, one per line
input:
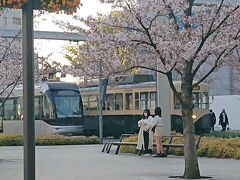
point(194, 116)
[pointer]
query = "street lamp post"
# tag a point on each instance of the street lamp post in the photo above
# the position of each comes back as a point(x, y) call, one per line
point(28, 91)
point(100, 103)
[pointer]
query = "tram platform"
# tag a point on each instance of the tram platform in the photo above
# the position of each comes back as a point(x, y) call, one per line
point(87, 162)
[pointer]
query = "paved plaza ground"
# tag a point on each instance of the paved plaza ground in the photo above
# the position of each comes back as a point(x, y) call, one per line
point(87, 162)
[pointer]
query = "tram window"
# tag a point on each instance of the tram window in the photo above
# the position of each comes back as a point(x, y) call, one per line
point(137, 101)
point(37, 107)
point(144, 100)
point(205, 100)
point(93, 102)
point(152, 100)
point(196, 99)
point(118, 101)
point(47, 108)
point(85, 102)
point(129, 101)
point(110, 102)
point(177, 104)
point(19, 108)
point(9, 110)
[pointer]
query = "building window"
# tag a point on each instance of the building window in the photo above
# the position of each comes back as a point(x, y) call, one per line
point(5, 21)
point(17, 20)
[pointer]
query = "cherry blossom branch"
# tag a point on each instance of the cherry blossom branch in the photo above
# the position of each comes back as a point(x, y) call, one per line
point(172, 15)
point(151, 41)
point(215, 64)
point(9, 45)
point(170, 80)
point(14, 85)
point(210, 32)
point(134, 67)
point(153, 19)
point(124, 27)
point(200, 64)
point(217, 12)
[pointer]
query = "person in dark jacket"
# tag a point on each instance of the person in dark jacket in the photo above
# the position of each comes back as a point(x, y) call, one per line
point(212, 120)
point(223, 120)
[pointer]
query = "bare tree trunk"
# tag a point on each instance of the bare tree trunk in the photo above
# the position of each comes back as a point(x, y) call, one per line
point(191, 162)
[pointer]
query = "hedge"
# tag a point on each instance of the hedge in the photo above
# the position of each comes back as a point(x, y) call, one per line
point(208, 147)
point(17, 140)
point(225, 134)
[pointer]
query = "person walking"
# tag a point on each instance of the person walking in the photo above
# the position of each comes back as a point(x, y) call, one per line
point(157, 127)
point(212, 120)
point(223, 120)
point(145, 136)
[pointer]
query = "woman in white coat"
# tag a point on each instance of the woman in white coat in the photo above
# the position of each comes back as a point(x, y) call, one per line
point(145, 135)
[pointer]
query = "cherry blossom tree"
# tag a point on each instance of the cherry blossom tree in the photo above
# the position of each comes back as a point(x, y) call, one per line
point(10, 66)
point(185, 36)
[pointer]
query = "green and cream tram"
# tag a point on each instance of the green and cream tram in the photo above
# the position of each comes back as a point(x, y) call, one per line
point(58, 110)
point(124, 105)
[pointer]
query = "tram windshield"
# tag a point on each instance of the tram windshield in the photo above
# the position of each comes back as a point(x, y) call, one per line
point(67, 103)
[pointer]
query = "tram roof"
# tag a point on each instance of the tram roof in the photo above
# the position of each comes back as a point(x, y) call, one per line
point(129, 86)
point(18, 90)
point(121, 86)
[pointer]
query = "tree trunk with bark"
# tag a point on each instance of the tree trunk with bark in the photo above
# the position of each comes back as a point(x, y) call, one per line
point(191, 162)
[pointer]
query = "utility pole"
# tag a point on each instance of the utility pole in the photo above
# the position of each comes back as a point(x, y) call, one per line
point(28, 91)
point(100, 103)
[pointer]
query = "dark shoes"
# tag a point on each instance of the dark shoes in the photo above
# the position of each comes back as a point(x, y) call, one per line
point(160, 155)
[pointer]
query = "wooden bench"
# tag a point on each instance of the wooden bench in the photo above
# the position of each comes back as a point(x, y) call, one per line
point(107, 146)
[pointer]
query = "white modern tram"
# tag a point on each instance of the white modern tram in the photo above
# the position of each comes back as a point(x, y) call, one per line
point(58, 110)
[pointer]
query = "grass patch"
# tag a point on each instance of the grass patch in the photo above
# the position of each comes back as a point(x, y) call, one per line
point(48, 140)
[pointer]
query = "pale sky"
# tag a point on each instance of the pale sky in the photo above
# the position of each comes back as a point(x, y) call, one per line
point(45, 47)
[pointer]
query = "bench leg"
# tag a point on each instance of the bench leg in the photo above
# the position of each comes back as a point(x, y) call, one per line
point(109, 147)
point(167, 148)
point(108, 144)
point(117, 150)
point(104, 146)
point(166, 152)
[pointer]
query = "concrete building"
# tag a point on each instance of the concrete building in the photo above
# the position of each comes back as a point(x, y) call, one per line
point(10, 19)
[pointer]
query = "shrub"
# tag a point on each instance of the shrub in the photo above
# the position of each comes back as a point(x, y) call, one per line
point(11, 140)
point(225, 134)
point(46, 140)
point(208, 147)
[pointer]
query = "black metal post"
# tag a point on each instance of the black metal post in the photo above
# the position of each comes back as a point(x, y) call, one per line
point(28, 91)
point(100, 103)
